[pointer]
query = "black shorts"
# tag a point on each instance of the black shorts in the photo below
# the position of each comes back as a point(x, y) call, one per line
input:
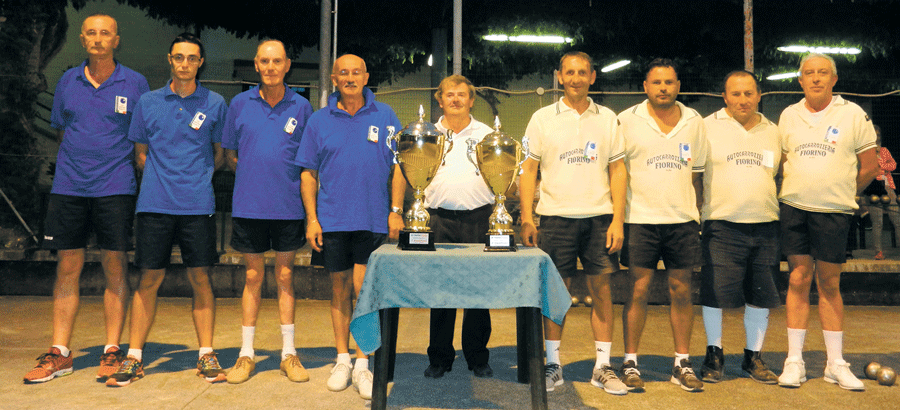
point(677, 244)
point(194, 234)
point(820, 235)
point(71, 219)
point(739, 264)
point(260, 235)
point(342, 250)
point(569, 239)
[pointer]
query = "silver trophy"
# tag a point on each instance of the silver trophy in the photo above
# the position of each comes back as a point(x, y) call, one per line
point(420, 150)
point(498, 158)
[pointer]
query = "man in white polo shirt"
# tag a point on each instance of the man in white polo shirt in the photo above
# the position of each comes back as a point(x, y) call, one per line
point(578, 147)
point(829, 158)
point(665, 154)
point(740, 225)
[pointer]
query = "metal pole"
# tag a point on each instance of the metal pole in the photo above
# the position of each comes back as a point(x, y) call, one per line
point(748, 35)
point(457, 36)
point(324, 53)
point(334, 37)
point(15, 211)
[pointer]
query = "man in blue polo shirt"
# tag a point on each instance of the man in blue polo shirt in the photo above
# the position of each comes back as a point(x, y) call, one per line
point(93, 190)
point(344, 186)
point(177, 133)
point(261, 136)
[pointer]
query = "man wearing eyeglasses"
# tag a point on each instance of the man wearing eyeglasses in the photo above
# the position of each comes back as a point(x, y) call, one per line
point(177, 134)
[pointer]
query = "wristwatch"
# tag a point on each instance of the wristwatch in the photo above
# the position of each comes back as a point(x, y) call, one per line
point(397, 210)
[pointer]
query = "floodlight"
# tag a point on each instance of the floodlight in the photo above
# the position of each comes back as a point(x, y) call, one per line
point(783, 76)
point(527, 38)
point(614, 66)
point(820, 50)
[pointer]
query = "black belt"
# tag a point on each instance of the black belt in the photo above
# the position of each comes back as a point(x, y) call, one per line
point(449, 213)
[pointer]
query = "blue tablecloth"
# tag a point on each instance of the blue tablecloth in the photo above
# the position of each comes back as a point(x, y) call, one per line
point(455, 276)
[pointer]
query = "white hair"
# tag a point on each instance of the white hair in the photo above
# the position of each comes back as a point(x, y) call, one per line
point(819, 55)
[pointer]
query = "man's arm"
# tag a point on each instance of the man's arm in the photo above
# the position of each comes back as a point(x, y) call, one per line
point(218, 155)
point(868, 169)
point(231, 158)
point(527, 183)
point(309, 189)
point(398, 191)
point(618, 181)
point(140, 156)
point(779, 177)
point(59, 135)
point(697, 180)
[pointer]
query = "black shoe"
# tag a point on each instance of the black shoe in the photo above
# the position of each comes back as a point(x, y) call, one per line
point(757, 368)
point(436, 371)
point(713, 368)
point(483, 370)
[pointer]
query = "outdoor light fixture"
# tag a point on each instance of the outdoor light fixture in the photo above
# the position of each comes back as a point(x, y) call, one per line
point(430, 59)
point(783, 76)
point(614, 66)
point(820, 50)
point(528, 38)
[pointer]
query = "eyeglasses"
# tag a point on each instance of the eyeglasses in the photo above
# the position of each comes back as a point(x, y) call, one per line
point(179, 58)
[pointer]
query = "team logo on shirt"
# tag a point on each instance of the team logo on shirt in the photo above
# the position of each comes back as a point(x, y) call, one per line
point(684, 152)
point(197, 121)
point(747, 158)
point(290, 126)
point(590, 151)
point(373, 134)
point(585, 155)
point(832, 134)
point(121, 105)
point(814, 149)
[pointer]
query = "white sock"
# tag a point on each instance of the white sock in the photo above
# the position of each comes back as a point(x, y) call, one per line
point(203, 351)
point(138, 354)
point(834, 345)
point(712, 322)
point(679, 357)
point(756, 320)
point(552, 347)
point(361, 364)
point(107, 347)
point(63, 350)
point(287, 341)
point(796, 338)
point(247, 334)
point(603, 349)
point(344, 358)
point(632, 357)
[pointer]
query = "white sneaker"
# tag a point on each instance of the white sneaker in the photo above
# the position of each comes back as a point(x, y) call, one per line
point(794, 372)
point(839, 373)
point(340, 377)
point(362, 381)
point(606, 379)
point(553, 376)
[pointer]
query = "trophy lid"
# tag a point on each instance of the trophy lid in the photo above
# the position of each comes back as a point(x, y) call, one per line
point(420, 127)
point(496, 134)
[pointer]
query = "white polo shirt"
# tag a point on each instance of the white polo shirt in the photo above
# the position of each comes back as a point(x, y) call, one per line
point(739, 180)
point(821, 168)
point(456, 186)
point(661, 166)
point(574, 151)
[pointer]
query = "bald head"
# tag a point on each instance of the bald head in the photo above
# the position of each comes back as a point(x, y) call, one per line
point(108, 20)
point(271, 63)
point(271, 46)
point(349, 75)
point(348, 60)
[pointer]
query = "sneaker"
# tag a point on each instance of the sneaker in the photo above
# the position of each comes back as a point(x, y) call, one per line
point(839, 373)
point(757, 369)
point(713, 368)
point(50, 365)
point(340, 377)
point(631, 376)
point(793, 374)
point(130, 370)
point(362, 382)
point(208, 368)
point(109, 363)
point(241, 371)
point(553, 376)
point(606, 379)
point(293, 369)
point(683, 375)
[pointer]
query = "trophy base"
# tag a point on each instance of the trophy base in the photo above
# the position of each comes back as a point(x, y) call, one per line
point(416, 241)
point(500, 243)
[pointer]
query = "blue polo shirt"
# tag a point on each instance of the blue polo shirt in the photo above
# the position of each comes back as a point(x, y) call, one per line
point(179, 133)
point(267, 181)
point(95, 158)
point(353, 162)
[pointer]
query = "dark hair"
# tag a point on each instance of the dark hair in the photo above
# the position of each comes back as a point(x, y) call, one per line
point(189, 38)
point(582, 55)
point(661, 62)
point(740, 73)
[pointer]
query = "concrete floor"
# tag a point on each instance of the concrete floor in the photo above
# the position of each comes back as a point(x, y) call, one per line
point(170, 356)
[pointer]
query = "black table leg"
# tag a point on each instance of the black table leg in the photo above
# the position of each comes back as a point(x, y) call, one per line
point(394, 313)
point(521, 345)
point(382, 359)
point(529, 353)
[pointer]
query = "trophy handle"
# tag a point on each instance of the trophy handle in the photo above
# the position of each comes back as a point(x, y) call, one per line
point(524, 154)
point(470, 151)
point(392, 136)
point(447, 147)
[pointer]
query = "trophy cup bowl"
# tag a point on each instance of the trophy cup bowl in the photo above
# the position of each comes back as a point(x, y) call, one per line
point(498, 158)
point(420, 150)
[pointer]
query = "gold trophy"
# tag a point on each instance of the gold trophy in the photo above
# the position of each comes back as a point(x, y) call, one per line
point(420, 150)
point(498, 159)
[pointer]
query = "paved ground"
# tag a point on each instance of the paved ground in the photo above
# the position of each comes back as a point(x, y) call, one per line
point(871, 334)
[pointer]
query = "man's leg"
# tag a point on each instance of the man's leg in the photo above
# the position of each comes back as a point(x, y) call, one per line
point(634, 313)
point(204, 305)
point(284, 279)
point(831, 315)
point(681, 311)
point(441, 353)
point(250, 302)
point(797, 315)
point(143, 308)
point(66, 294)
point(115, 267)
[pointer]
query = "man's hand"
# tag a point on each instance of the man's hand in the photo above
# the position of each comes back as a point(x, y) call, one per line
point(314, 235)
point(395, 224)
point(615, 237)
point(529, 233)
